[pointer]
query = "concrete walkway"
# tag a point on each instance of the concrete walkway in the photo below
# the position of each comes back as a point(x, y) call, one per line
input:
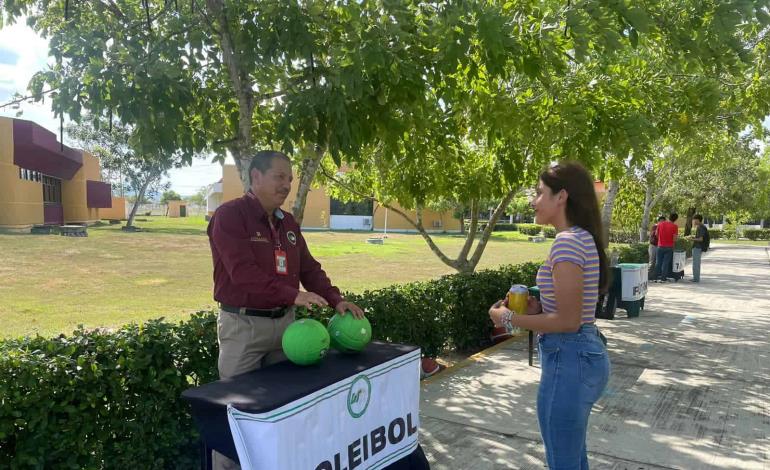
point(690, 385)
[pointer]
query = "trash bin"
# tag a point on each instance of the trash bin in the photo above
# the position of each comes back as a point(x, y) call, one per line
point(678, 263)
point(633, 288)
point(627, 290)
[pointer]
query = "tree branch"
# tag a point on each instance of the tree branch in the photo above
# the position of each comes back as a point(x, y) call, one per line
point(471, 231)
point(417, 225)
point(28, 97)
point(490, 226)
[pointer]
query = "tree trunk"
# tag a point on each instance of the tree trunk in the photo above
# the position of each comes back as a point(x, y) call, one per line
point(242, 163)
point(609, 204)
point(243, 88)
point(309, 168)
point(474, 261)
point(688, 223)
point(644, 229)
point(461, 264)
point(472, 228)
point(139, 199)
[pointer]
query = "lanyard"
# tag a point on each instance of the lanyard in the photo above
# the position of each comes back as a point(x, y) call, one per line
point(276, 234)
point(281, 260)
point(273, 230)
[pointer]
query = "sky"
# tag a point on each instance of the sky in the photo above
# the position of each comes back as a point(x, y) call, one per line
point(22, 53)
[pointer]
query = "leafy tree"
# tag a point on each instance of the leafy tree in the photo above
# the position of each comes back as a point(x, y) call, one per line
point(447, 101)
point(114, 145)
point(521, 207)
point(199, 198)
point(169, 195)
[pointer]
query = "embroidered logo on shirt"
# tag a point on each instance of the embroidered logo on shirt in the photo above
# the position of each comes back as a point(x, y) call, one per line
point(292, 237)
point(258, 238)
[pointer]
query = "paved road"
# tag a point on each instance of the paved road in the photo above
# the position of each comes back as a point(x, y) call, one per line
point(690, 385)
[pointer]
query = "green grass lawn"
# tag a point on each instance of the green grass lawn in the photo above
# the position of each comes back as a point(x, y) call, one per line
point(50, 284)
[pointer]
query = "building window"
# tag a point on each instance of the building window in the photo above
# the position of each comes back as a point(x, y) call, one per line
point(29, 175)
point(360, 208)
point(51, 190)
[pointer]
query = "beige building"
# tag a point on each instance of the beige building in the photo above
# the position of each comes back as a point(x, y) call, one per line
point(324, 213)
point(177, 209)
point(43, 182)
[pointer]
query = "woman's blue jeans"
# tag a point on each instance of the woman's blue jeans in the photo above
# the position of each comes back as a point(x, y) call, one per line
point(575, 369)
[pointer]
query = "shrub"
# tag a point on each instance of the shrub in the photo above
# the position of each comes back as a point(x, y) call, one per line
point(549, 232)
point(716, 233)
point(105, 400)
point(111, 400)
point(530, 229)
point(757, 234)
point(682, 244)
point(633, 253)
point(623, 236)
point(505, 227)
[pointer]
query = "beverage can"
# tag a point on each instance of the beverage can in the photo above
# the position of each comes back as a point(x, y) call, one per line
point(516, 300)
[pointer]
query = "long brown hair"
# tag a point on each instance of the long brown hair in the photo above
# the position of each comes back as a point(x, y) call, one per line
point(582, 206)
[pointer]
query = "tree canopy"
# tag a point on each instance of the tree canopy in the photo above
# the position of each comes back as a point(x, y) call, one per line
point(428, 103)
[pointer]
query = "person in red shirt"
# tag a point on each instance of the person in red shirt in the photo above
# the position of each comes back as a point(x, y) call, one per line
point(667, 234)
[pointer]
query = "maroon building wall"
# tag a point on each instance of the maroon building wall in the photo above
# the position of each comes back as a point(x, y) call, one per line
point(36, 148)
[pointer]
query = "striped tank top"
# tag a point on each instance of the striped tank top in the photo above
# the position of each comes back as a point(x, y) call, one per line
point(574, 245)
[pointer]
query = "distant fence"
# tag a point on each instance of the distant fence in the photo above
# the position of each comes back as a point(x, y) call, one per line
point(160, 209)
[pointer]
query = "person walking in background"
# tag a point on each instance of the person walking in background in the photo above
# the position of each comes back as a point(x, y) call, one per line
point(575, 366)
point(667, 234)
point(652, 249)
point(700, 244)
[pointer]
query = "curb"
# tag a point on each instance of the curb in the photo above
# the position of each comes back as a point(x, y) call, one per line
point(473, 358)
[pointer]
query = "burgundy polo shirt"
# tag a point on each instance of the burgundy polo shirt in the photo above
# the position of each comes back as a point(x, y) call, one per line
point(243, 249)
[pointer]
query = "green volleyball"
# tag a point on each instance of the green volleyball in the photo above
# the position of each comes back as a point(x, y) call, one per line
point(348, 333)
point(305, 342)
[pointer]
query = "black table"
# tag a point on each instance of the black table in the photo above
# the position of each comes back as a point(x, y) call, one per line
point(274, 386)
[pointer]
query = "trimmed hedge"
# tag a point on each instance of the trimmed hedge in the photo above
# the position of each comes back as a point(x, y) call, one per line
point(530, 229)
point(757, 234)
point(716, 234)
point(622, 236)
point(111, 400)
point(505, 227)
point(105, 400)
point(634, 253)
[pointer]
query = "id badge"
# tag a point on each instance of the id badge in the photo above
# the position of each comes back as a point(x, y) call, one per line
point(281, 266)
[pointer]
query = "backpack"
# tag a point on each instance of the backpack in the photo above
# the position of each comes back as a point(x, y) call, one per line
point(654, 235)
point(706, 239)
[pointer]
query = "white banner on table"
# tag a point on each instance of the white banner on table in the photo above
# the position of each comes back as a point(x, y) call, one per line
point(366, 421)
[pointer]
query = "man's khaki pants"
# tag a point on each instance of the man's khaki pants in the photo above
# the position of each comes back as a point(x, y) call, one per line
point(246, 344)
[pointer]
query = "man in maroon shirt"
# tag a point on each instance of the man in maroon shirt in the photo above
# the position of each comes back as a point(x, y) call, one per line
point(667, 233)
point(260, 258)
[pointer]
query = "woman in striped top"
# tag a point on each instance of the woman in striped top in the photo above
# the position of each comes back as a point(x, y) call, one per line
point(574, 363)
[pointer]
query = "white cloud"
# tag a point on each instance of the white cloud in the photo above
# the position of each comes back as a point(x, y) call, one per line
point(32, 51)
point(188, 180)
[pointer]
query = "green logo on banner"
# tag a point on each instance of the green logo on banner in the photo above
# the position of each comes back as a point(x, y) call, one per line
point(358, 396)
